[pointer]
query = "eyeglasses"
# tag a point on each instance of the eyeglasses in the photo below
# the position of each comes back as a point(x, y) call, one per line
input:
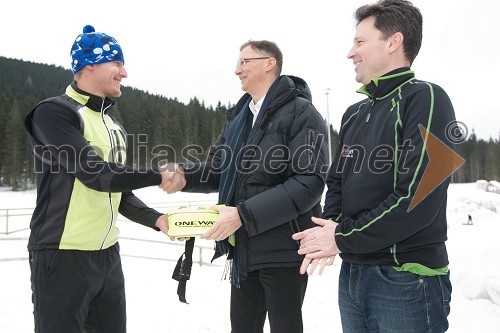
point(243, 62)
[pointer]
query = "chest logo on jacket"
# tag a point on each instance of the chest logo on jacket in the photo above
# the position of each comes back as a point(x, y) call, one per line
point(347, 152)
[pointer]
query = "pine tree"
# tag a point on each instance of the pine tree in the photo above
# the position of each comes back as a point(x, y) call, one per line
point(491, 167)
point(13, 151)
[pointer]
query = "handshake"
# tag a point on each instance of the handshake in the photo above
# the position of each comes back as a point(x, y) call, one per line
point(172, 178)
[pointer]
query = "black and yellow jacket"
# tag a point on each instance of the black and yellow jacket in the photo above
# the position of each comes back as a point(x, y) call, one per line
point(378, 165)
point(82, 180)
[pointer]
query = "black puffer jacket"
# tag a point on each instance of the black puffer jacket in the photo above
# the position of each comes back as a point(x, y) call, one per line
point(287, 178)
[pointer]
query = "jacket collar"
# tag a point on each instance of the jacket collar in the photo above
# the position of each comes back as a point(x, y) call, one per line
point(381, 86)
point(93, 102)
point(283, 89)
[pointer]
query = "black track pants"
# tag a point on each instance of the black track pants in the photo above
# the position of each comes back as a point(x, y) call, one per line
point(78, 291)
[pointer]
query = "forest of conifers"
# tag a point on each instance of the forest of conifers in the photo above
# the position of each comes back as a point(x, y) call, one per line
point(152, 121)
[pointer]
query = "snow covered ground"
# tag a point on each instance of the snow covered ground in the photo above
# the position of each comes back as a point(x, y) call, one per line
point(148, 262)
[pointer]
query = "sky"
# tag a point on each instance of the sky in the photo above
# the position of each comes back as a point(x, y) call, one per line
point(183, 49)
point(148, 262)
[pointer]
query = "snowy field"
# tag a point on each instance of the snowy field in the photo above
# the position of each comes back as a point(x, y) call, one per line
point(148, 261)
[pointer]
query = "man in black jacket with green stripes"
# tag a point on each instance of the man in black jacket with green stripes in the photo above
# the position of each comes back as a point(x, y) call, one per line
point(381, 213)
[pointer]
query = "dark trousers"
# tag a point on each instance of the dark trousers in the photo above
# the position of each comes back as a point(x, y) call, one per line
point(78, 291)
point(278, 292)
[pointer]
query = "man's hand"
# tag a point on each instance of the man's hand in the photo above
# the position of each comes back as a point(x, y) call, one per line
point(225, 225)
point(313, 263)
point(318, 244)
point(172, 178)
point(162, 224)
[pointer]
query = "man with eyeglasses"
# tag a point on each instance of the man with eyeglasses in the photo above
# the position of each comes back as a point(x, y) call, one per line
point(267, 167)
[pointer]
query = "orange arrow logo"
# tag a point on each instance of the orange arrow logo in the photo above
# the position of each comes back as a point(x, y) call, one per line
point(443, 161)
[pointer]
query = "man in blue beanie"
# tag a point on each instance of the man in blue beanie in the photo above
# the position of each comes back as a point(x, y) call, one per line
point(83, 183)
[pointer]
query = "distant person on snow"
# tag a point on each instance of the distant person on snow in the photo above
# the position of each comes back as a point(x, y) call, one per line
point(394, 275)
point(82, 185)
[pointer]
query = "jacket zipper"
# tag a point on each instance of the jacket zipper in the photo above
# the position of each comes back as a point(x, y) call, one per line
point(365, 124)
point(112, 160)
point(368, 116)
point(118, 147)
point(360, 135)
point(345, 190)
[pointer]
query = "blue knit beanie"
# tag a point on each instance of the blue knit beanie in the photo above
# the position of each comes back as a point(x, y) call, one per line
point(94, 48)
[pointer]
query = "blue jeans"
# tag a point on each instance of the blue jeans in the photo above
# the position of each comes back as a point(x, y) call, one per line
point(383, 300)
